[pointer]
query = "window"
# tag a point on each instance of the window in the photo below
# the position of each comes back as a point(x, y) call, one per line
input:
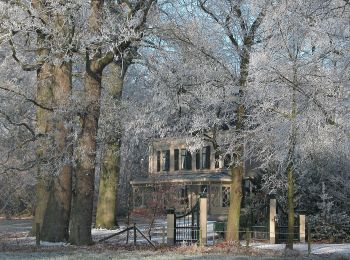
point(158, 161)
point(176, 159)
point(204, 189)
point(183, 196)
point(165, 160)
point(206, 157)
point(186, 160)
point(225, 193)
point(198, 160)
point(138, 198)
point(217, 164)
point(227, 161)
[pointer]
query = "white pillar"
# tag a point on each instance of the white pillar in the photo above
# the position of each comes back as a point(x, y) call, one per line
point(150, 158)
point(272, 219)
point(171, 227)
point(172, 157)
point(203, 218)
point(212, 158)
point(302, 228)
point(193, 161)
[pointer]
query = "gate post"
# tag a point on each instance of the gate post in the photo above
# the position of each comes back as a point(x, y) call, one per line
point(302, 227)
point(171, 227)
point(203, 218)
point(272, 220)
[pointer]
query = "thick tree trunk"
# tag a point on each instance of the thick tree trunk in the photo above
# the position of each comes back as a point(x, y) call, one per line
point(44, 96)
point(56, 221)
point(234, 211)
point(237, 169)
point(107, 195)
point(41, 199)
point(83, 191)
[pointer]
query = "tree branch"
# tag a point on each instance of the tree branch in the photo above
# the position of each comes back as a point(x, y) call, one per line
point(216, 19)
point(8, 118)
point(25, 67)
point(26, 98)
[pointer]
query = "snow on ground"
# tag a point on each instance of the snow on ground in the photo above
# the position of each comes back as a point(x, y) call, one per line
point(318, 249)
point(14, 234)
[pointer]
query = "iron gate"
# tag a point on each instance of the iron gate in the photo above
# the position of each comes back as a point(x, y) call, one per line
point(187, 226)
point(282, 226)
point(259, 218)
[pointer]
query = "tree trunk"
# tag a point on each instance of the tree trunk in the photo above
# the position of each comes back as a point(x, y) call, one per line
point(56, 221)
point(107, 196)
point(290, 165)
point(41, 199)
point(234, 211)
point(290, 197)
point(237, 169)
point(83, 192)
point(44, 96)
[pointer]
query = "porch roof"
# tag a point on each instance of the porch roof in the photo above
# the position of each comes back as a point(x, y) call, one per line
point(191, 178)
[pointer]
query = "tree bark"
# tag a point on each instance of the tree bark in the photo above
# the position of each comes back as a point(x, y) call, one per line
point(83, 193)
point(56, 221)
point(234, 211)
point(107, 196)
point(83, 190)
point(41, 198)
point(290, 165)
point(44, 127)
point(290, 202)
point(237, 174)
point(108, 186)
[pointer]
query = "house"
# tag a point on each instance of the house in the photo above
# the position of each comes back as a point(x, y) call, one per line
point(176, 177)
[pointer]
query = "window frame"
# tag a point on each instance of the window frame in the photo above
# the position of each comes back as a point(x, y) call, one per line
point(165, 160)
point(158, 164)
point(176, 159)
point(186, 160)
point(206, 157)
point(225, 196)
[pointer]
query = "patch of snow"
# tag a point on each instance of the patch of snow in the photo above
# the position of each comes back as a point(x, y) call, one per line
point(319, 249)
point(102, 231)
point(48, 244)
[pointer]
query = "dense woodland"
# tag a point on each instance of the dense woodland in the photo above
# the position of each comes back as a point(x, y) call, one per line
point(86, 85)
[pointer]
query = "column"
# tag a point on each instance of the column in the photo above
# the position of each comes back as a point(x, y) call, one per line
point(193, 161)
point(212, 158)
point(171, 227)
point(150, 159)
point(272, 219)
point(203, 212)
point(172, 157)
point(302, 228)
